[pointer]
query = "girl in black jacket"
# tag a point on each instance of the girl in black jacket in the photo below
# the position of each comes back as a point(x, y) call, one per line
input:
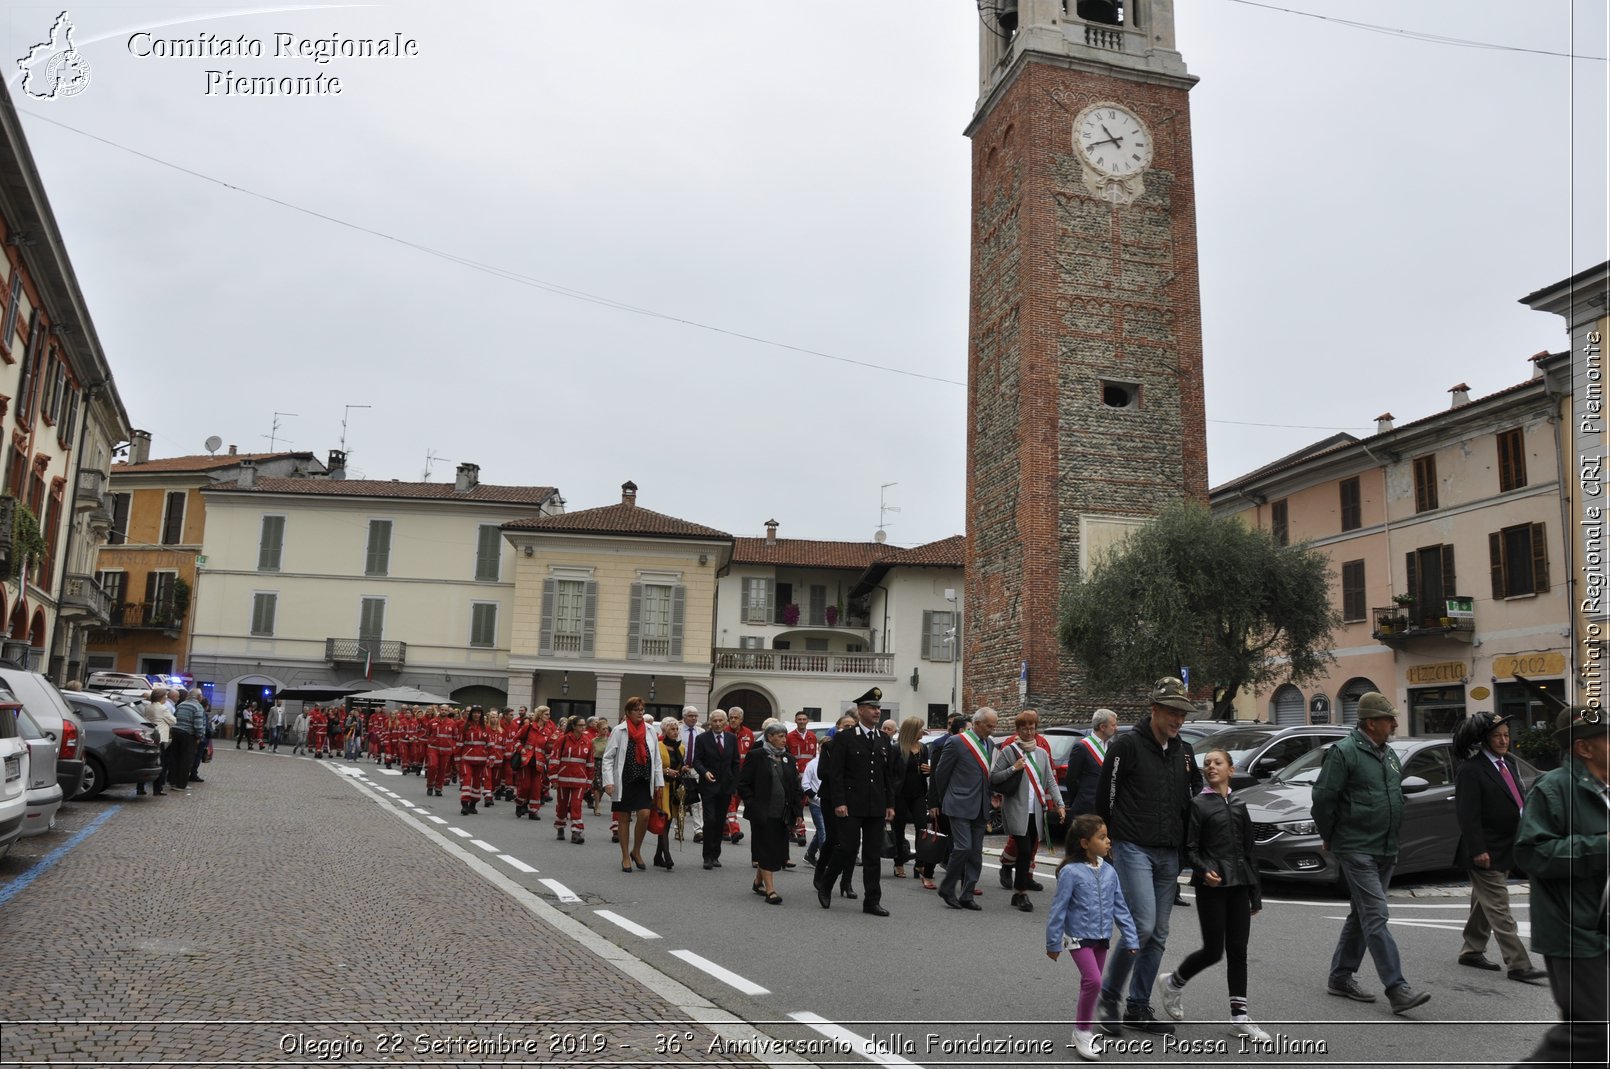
point(1218, 846)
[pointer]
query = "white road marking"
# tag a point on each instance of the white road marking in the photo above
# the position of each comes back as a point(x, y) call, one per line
point(435, 819)
point(863, 1046)
point(515, 863)
point(460, 832)
point(1522, 928)
point(388, 771)
point(484, 845)
point(560, 891)
point(631, 926)
point(726, 976)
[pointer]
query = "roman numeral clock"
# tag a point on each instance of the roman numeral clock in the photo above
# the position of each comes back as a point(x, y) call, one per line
point(1084, 384)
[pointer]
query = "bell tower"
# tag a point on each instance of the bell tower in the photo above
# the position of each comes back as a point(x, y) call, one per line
point(1084, 375)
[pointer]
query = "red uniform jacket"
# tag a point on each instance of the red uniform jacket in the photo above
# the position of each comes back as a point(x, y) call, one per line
point(572, 761)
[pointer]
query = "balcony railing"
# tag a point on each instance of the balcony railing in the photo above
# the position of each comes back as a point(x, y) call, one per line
point(797, 662)
point(157, 615)
point(83, 596)
point(386, 654)
point(1399, 624)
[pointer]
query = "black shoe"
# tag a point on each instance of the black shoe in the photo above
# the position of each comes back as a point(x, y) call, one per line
point(716, 862)
point(1348, 989)
point(1107, 1018)
point(810, 859)
point(519, 811)
point(489, 803)
point(1021, 901)
point(708, 864)
point(197, 779)
point(698, 836)
point(1528, 976)
point(463, 809)
point(1179, 900)
point(969, 903)
point(1405, 998)
point(1006, 875)
point(1479, 961)
point(737, 837)
point(1143, 1020)
point(1036, 885)
point(614, 836)
point(139, 791)
point(561, 835)
point(949, 900)
point(824, 897)
point(848, 892)
point(874, 909)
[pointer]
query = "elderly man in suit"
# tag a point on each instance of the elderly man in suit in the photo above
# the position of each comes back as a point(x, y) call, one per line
point(960, 789)
point(860, 791)
point(715, 759)
point(1488, 804)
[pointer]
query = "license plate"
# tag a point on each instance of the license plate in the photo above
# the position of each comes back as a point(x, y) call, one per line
point(13, 768)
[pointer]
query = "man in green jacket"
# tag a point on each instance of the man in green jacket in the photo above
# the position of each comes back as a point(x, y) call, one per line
point(1358, 807)
point(1562, 844)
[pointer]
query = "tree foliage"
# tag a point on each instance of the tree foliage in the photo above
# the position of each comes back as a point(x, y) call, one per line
point(1211, 594)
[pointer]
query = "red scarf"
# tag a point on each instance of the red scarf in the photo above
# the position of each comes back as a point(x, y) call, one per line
point(639, 736)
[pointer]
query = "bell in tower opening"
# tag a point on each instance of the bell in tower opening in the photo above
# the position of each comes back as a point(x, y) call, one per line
point(1006, 16)
point(1110, 12)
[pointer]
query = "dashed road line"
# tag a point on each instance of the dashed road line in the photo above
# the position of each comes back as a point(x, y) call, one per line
point(863, 1046)
point(515, 863)
point(460, 832)
point(631, 926)
point(434, 819)
point(725, 975)
point(484, 845)
point(560, 891)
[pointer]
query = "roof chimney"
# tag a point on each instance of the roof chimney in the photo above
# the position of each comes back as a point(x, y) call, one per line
point(771, 532)
point(1461, 395)
point(337, 466)
point(140, 447)
point(629, 493)
point(232, 451)
point(247, 479)
point(1537, 363)
point(468, 477)
point(1383, 423)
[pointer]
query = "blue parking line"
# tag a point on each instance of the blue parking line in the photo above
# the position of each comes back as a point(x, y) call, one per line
point(43, 865)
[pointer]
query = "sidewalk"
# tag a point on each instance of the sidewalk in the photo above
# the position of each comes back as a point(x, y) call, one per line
point(276, 913)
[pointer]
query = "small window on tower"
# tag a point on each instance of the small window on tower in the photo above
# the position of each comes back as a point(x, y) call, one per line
point(1120, 394)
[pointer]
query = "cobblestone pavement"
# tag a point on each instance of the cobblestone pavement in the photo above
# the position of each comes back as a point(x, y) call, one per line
point(278, 916)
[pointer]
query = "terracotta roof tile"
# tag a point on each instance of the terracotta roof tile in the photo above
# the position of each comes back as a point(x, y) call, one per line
point(945, 553)
point(619, 519)
point(810, 553)
point(481, 492)
point(201, 462)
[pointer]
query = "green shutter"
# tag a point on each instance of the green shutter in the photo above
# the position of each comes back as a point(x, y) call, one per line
point(263, 606)
point(927, 652)
point(483, 624)
point(589, 617)
point(1495, 556)
point(271, 544)
point(488, 548)
point(545, 634)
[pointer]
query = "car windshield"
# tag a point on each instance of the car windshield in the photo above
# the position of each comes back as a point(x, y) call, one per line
point(1305, 769)
point(1061, 746)
point(1236, 742)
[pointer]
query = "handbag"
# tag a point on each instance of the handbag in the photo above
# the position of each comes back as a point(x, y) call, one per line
point(933, 847)
point(658, 822)
point(514, 761)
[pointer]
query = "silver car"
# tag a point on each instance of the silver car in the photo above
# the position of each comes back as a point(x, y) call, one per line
point(44, 792)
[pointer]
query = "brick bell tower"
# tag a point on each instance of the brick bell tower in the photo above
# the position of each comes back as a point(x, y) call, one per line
point(1084, 381)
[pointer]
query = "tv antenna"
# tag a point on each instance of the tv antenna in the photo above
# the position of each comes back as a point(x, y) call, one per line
point(884, 508)
point(274, 432)
point(345, 412)
point(212, 443)
point(430, 458)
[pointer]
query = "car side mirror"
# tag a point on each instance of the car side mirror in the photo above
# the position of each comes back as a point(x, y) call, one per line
point(1241, 780)
point(1265, 766)
point(1415, 785)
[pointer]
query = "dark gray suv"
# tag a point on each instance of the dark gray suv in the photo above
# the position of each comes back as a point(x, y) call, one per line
point(120, 745)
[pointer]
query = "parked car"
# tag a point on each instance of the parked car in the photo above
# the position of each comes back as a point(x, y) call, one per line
point(53, 715)
point(120, 745)
point(125, 686)
point(14, 785)
point(1286, 841)
point(44, 794)
point(1258, 751)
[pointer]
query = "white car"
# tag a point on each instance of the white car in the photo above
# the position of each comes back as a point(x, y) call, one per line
point(44, 794)
point(14, 784)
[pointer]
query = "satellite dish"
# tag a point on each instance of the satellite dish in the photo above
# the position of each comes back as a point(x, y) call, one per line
point(879, 537)
point(212, 443)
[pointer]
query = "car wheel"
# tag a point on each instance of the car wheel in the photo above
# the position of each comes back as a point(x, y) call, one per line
point(94, 779)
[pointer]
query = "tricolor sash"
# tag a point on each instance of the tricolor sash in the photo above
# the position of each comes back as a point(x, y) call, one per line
point(971, 741)
point(1034, 775)
point(1096, 749)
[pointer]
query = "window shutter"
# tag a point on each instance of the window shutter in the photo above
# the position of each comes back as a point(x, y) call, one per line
point(545, 634)
point(747, 591)
point(272, 544)
point(488, 548)
point(679, 599)
point(263, 614)
point(1495, 556)
point(1449, 586)
point(372, 620)
point(483, 625)
point(1540, 560)
point(927, 635)
point(589, 617)
point(634, 625)
point(771, 599)
point(377, 558)
point(152, 579)
point(1412, 574)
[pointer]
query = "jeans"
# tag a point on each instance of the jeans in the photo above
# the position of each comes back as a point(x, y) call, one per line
point(274, 734)
point(1367, 878)
point(1147, 875)
point(815, 847)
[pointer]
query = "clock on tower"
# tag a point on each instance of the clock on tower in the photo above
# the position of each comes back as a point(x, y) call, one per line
point(1084, 350)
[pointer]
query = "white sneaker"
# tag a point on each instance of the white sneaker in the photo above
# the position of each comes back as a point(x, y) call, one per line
point(1084, 1045)
point(1245, 1026)
point(1173, 997)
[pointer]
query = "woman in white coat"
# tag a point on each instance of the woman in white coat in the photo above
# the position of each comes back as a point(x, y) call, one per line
point(632, 775)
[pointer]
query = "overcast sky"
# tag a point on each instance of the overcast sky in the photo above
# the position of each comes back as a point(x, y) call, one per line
point(765, 178)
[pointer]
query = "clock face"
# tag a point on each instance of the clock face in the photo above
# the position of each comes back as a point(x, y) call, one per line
point(1112, 140)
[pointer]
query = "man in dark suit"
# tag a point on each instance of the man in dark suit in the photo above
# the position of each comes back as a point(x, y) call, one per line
point(960, 789)
point(860, 791)
point(1084, 763)
point(1488, 803)
point(715, 759)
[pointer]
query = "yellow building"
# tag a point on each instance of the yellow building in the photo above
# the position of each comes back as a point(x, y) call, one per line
point(612, 602)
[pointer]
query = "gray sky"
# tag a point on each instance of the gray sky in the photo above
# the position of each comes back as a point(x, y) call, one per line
point(1370, 208)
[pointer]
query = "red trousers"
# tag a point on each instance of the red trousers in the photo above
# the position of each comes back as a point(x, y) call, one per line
point(317, 739)
point(568, 802)
point(414, 753)
point(528, 786)
point(471, 775)
point(436, 768)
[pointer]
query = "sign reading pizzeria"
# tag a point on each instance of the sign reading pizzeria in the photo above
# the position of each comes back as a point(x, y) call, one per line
point(1440, 672)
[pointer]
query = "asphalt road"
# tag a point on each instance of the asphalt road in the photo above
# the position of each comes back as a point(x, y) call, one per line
point(935, 987)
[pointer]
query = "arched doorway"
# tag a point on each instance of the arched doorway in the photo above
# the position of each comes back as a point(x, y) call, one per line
point(19, 619)
point(36, 633)
point(757, 707)
point(1351, 692)
point(1289, 706)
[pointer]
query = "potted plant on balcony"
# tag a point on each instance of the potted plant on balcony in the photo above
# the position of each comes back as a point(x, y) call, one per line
point(1405, 604)
point(832, 615)
point(791, 614)
point(1384, 624)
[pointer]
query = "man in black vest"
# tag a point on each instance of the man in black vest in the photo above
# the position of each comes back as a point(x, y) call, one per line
point(860, 794)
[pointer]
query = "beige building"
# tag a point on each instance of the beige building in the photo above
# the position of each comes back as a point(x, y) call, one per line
point(341, 581)
point(609, 603)
point(1446, 536)
point(809, 625)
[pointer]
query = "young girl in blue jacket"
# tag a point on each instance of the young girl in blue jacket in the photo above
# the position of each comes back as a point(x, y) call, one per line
point(1087, 905)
